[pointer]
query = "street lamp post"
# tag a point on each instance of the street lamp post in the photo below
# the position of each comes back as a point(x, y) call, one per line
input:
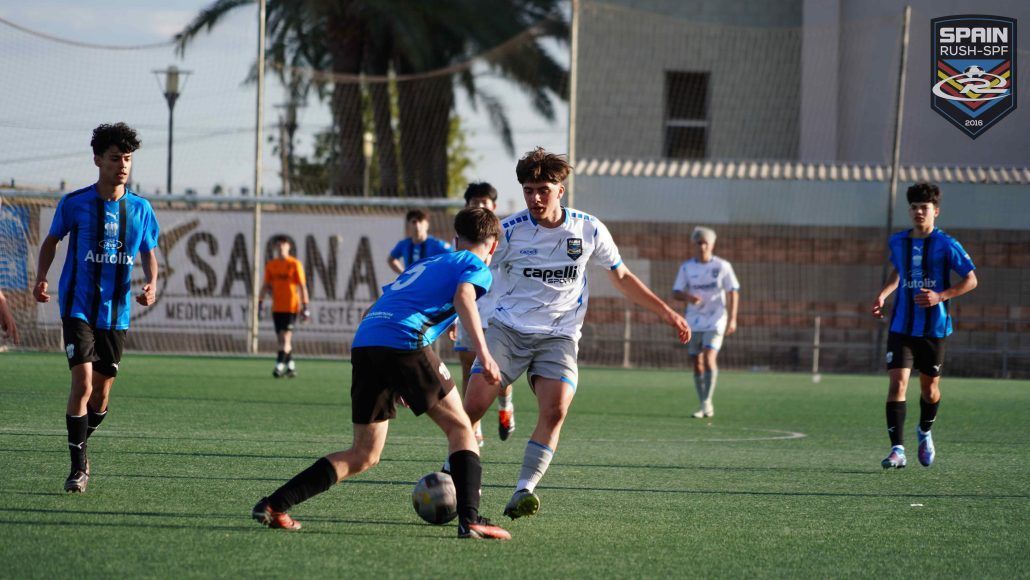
point(368, 148)
point(172, 89)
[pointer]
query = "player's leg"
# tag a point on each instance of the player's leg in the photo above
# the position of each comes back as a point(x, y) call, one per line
point(554, 397)
point(109, 345)
point(711, 342)
point(79, 345)
point(929, 361)
point(467, 358)
point(899, 368)
point(697, 362)
point(465, 467)
point(287, 347)
point(505, 413)
point(362, 455)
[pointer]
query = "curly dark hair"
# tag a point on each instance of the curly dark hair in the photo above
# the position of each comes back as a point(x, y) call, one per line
point(477, 225)
point(120, 135)
point(539, 165)
point(924, 192)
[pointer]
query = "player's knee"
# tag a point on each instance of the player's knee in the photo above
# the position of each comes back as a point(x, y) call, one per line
point(553, 414)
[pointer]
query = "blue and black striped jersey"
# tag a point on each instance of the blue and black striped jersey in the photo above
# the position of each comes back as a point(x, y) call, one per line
point(104, 237)
point(925, 263)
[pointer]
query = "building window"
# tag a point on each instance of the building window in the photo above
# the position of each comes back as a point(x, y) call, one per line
point(686, 115)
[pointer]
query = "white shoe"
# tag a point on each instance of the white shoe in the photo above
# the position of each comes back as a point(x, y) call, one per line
point(709, 411)
point(279, 370)
point(699, 414)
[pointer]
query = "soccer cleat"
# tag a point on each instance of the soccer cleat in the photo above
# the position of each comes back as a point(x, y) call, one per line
point(267, 516)
point(699, 414)
point(279, 370)
point(522, 503)
point(709, 410)
point(291, 369)
point(896, 459)
point(926, 450)
point(76, 482)
point(482, 529)
point(505, 422)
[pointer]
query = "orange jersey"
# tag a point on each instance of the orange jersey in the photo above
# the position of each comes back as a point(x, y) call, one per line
point(285, 275)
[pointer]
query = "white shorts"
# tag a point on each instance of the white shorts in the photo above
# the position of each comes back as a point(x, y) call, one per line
point(702, 339)
point(537, 355)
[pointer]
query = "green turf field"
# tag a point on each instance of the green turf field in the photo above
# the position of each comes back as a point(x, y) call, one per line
point(785, 481)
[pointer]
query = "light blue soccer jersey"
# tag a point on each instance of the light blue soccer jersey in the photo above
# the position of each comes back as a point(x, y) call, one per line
point(925, 263)
point(417, 307)
point(103, 239)
point(410, 252)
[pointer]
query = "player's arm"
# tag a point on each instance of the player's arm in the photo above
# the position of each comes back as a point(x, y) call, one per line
point(890, 286)
point(7, 320)
point(465, 304)
point(733, 301)
point(148, 294)
point(395, 265)
point(47, 251)
point(305, 314)
point(631, 287)
point(927, 298)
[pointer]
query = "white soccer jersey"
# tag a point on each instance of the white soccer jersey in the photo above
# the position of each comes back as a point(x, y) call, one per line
point(710, 281)
point(541, 286)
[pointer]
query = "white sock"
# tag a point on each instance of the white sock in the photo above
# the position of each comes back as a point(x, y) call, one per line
point(710, 379)
point(534, 465)
point(699, 386)
point(504, 401)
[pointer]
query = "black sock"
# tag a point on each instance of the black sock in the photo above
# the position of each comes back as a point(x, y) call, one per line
point(467, 473)
point(896, 421)
point(927, 414)
point(281, 357)
point(77, 440)
point(93, 420)
point(305, 485)
point(289, 357)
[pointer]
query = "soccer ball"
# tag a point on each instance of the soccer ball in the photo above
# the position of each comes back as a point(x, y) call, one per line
point(434, 498)
point(973, 72)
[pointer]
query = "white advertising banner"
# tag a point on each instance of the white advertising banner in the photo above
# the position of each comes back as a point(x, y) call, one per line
point(206, 274)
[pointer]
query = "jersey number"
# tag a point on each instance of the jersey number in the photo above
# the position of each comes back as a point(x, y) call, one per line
point(408, 277)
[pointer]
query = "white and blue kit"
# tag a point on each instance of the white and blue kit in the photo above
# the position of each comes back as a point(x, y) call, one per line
point(709, 281)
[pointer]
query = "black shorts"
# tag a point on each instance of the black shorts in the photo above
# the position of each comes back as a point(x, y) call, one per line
point(379, 373)
point(284, 321)
point(87, 344)
point(925, 354)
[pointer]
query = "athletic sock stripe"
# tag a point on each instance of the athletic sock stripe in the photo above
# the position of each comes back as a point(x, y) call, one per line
point(542, 446)
point(98, 265)
point(119, 282)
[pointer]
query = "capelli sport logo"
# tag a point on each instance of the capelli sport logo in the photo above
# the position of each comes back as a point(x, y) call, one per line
point(973, 70)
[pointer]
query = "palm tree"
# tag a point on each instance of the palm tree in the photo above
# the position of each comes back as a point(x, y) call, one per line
point(429, 47)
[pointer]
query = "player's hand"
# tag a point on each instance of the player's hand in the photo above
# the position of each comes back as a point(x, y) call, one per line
point(9, 327)
point(927, 298)
point(305, 315)
point(680, 324)
point(147, 296)
point(731, 327)
point(40, 291)
point(491, 372)
point(693, 299)
point(878, 308)
point(452, 333)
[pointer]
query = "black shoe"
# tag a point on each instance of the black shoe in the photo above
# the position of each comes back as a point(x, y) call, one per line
point(76, 482)
point(482, 529)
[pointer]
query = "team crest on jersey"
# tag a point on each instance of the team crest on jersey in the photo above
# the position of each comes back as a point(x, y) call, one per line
point(973, 70)
point(574, 248)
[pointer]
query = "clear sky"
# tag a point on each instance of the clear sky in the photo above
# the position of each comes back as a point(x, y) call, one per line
point(61, 92)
